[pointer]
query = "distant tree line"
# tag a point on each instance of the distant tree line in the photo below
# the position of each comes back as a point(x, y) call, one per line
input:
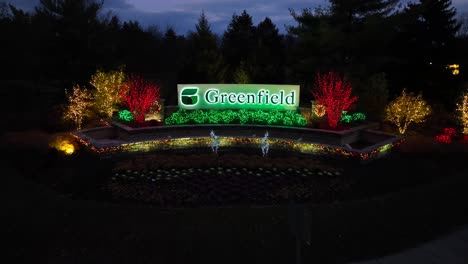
point(381, 45)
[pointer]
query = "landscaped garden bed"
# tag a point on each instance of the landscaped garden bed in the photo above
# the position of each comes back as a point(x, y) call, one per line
point(199, 178)
point(207, 179)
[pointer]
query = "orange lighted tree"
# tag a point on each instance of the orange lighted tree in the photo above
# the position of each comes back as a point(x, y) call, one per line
point(406, 109)
point(139, 95)
point(79, 102)
point(334, 94)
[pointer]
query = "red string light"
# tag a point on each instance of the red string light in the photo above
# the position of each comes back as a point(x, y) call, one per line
point(334, 94)
point(450, 131)
point(446, 139)
point(139, 95)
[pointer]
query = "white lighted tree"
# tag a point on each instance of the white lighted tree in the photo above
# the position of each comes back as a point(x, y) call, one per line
point(79, 102)
point(407, 109)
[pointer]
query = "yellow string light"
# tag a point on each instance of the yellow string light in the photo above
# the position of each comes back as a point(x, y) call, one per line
point(204, 142)
point(455, 68)
point(462, 108)
point(107, 93)
point(406, 109)
point(79, 102)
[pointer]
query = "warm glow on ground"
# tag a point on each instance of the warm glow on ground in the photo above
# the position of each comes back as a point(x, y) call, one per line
point(64, 144)
point(66, 147)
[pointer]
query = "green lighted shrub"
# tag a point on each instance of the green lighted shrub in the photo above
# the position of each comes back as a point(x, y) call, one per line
point(258, 117)
point(354, 118)
point(125, 115)
point(358, 117)
point(228, 116)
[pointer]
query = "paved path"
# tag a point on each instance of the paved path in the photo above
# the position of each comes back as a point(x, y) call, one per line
point(449, 249)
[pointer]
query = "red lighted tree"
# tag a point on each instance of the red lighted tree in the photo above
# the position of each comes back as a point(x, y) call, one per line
point(139, 95)
point(334, 93)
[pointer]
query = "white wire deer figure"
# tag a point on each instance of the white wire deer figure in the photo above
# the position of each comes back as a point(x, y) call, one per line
point(215, 142)
point(265, 145)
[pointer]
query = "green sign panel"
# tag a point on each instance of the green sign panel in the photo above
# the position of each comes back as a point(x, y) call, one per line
point(238, 96)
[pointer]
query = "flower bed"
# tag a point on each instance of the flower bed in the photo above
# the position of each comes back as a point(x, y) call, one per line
point(221, 185)
point(225, 180)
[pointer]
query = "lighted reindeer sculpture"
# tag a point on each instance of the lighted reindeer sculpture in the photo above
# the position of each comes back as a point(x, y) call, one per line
point(265, 146)
point(215, 142)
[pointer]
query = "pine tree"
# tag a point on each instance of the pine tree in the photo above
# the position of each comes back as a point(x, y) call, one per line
point(205, 64)
point(350, 10)
point(270, 54)
point(428, 44)
point(67, 32)
point(362, 25)
point(436, 27)
point(238, 42)
point(352, 36)
point(312, 47)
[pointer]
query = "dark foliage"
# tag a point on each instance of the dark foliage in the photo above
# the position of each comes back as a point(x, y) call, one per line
point(63, 42)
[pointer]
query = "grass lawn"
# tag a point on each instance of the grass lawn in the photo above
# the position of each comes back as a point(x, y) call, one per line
point(54, 213)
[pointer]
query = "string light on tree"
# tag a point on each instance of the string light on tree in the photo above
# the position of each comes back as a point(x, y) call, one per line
point(107, 93)
point(334, 93)
point(79, 102)
point(139, 95)
point(406, 109)
point(462, 108)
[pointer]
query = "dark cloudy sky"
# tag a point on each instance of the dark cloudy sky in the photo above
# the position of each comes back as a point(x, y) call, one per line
point(182, 15)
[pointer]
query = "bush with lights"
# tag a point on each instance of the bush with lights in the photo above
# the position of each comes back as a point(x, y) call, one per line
point(125, 116)
point(407, 109)
point(357, 117)
point(447, 136)
point(243, 116)
point(111, 89)
point(107, 87)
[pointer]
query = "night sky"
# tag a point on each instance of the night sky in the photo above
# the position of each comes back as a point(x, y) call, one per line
point(182, 15)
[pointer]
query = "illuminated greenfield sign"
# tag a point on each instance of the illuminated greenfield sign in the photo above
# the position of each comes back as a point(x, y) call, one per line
point(238, 96)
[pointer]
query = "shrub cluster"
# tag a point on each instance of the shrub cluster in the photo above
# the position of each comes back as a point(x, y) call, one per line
point(257, 117)
point(352, 118)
